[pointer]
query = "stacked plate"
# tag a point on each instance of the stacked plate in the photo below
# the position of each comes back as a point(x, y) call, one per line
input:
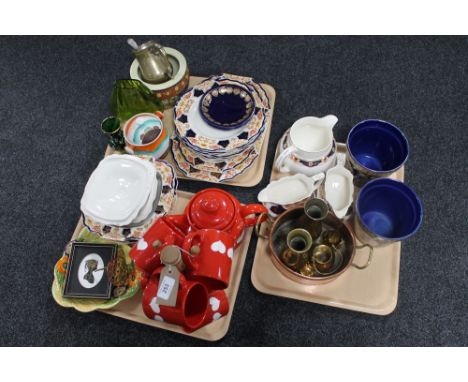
point(126, 194)
point(219, 127)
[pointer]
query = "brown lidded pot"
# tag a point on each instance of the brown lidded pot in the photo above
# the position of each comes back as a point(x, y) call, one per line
point(292, 219)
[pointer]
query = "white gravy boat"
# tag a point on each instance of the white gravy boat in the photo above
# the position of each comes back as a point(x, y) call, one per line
point(339, 187)
point(284, 193)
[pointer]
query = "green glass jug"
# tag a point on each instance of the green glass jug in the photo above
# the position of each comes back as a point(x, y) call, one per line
point(130, 97)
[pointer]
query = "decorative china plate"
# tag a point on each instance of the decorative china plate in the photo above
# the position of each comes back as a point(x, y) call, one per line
point(200, 136)
point(227, 107)
point(89, 305)
point(216, 177)
point(216, 165)
point(166, 201)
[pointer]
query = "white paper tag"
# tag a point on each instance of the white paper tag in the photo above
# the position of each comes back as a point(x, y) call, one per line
point(165, 287)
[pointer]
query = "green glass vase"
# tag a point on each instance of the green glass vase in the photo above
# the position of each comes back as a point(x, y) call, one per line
point(130, 97)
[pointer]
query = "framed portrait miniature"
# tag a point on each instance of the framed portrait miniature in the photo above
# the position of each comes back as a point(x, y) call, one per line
point(87, 273)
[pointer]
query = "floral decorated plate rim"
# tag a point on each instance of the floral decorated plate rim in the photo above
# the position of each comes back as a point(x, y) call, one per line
point(204, 144)
point(210, 176)
point(89, 305)
point(207, 165)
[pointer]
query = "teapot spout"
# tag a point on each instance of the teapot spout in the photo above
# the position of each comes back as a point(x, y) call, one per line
point(329, 121)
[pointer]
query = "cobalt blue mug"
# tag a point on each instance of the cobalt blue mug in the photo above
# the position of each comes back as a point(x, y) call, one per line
point(375, 149)
point(387, 210)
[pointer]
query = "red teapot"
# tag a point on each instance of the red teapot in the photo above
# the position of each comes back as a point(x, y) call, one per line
point(218, 209)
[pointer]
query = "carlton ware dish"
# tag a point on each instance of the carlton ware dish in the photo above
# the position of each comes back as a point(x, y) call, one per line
point(293, 164)
point(310, 139)
point(387, 210)
point(376, 149)
point(154, 63)
point(287, 192)
point(291, 220)
point(145, 134)
point(118, 188)
point(131, 282)
point(200, 136)
point(339, 188)
point(131, 232)
point(168, 91)
point(227, 107)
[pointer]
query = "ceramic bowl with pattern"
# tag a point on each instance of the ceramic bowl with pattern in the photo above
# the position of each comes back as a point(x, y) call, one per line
point(205, 139)
point(227, 107)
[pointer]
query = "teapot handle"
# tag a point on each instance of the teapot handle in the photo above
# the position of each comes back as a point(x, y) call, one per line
point(253, 209)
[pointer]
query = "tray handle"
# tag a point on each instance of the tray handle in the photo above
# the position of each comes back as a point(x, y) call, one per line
point(258, 226)
point(369, 259)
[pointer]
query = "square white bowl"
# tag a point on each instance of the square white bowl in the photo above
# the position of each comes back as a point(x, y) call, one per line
point(118, 189)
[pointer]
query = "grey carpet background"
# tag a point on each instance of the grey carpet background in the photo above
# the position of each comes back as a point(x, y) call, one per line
point(54, 91)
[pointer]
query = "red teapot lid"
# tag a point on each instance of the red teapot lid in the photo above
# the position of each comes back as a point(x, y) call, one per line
point(212, 208)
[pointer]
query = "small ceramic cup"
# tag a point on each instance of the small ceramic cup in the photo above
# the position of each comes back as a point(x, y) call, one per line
point(145, 134)
point(375, 149)
point(387, 210)
point(207, 254)
point(111, 127)
point(191, 303)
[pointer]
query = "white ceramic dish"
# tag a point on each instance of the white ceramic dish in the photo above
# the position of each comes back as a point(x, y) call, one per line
point(132, 233)
point(339, 187)
point(118, 189)
point(145, 211)
point(283, 193)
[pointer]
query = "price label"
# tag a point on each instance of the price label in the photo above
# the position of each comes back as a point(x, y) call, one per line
point(168, 286)
point(165, 287)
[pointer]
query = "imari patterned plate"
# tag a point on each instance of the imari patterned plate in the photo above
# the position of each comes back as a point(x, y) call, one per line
point(216, 177)
point(220, 165)
point(166, 201)
point(200, 136)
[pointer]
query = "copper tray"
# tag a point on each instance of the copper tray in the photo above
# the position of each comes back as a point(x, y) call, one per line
point(251, 176)
point(373, 290)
